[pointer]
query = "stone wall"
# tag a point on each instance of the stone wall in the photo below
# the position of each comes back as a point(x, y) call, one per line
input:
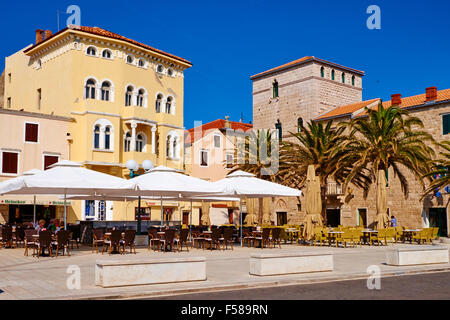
point(303, 93)
point(2, 89)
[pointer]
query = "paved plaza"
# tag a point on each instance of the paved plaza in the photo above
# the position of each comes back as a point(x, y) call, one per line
point(27, 277)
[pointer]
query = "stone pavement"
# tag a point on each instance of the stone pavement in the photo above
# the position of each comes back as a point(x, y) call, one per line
point(23, 277)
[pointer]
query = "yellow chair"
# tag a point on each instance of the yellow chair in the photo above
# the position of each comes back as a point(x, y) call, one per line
point(319, 235)
point(434, 233)
point(346, 237)
point(399, 234)
point(379, 237)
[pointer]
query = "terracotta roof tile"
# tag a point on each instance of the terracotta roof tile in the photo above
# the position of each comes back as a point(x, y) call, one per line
point(346, 110)
point(304, 60)
point(105, 33)
point(407, 102)
point(216, 124)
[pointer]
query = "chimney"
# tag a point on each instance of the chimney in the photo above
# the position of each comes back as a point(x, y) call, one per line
point(227, 122)
point(431, 93)
point(48, 34)
point(396, 99)
point(39, 36)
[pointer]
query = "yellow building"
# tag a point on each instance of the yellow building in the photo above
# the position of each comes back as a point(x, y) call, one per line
point(126, 99)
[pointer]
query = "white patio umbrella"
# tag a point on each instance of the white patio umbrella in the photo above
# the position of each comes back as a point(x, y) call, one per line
point(64, 177)
point(19, 179)
point(162, 182)
point(245, 185)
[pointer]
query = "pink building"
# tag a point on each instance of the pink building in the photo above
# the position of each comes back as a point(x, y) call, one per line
point(30, 141)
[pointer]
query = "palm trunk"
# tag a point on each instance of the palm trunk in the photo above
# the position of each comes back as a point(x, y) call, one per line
point(323, 194)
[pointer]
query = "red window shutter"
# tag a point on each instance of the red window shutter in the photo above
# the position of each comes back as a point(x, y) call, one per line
point(31, 132)
point(49, 160)
point(10, 162)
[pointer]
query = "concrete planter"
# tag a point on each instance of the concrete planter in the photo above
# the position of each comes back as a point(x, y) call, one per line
point(417, 255)
point(267, 264)
point(114, 273)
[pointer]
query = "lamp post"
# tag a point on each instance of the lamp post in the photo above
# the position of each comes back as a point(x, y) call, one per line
point(133, 166)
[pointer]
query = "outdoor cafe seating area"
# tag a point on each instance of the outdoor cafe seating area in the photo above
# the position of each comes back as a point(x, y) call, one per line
point(184, 238)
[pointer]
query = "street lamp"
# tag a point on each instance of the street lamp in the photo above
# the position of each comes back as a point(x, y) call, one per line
point(133, 166)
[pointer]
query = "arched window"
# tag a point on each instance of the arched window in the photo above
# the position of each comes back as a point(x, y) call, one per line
point(299, 124)
point(106, 54)
point(91, 51)
point(168, 147)
point(97, 137)
point(107, 138)
point(130, 59)
point(127, 142)
point(141, 63)
point(169, 105)
point(140, 97)
point(106, 91)
point(322, 72)
point(332, 74)
point(140, 142)
point(90, 89)
point(158, 103)
point(160, 68)
point(170, 72)
point(353, 80)
point(175, 153)
point(279, 128)
point(343, 77)
point(128, 96)
point(275, 89)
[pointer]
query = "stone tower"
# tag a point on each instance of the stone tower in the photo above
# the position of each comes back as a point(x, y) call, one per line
point(300, 91)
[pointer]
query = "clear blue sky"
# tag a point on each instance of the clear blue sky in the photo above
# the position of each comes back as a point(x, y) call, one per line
point(228, 41)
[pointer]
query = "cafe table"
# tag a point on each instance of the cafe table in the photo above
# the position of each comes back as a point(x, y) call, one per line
point(333, 235)
point(292, 233)
point(107, 236)
point(367, 235)
point(409, 233)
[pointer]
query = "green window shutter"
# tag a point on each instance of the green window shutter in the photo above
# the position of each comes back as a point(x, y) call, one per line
point(332, 75)
point(322, 72)
point(275, 89)
point(446, 124)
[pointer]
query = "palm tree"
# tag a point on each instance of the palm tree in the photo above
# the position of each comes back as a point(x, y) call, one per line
point(258, 154)
point(440, 171)
point(317, 144)
point(386, 138)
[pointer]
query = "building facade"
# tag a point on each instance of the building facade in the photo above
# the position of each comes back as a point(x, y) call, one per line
point(349, 207)
point(299, 91)
point(30, 141)
point(312, 89)
point(210, 152)
point(126, 99)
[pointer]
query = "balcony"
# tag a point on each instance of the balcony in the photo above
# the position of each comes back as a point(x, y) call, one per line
point(334, 189)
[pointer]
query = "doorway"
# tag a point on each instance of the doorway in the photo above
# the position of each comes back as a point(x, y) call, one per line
point(186, 217)
point(438, 218)
point(281, 218)
point(362, 218)
point(333, 217)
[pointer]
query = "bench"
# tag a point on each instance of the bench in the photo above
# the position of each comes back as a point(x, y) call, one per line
point(114, 273)
point(267, 264)
point(417, 255)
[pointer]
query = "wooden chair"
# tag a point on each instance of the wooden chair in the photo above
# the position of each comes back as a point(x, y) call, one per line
point(182, 239)
point(197, 238)
point(128, 241)
point(19, 236)
point(153, 238)
point(264, 238)
point(45, 242)
point(113, 241)
point(214, 240)
point(73, 241)
point(30, 241)
point(276, 239)
point(97, 238)
point(7, 239)
point(247, 236)
point(169, 237)
point(62, 241)
point(228, 237)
